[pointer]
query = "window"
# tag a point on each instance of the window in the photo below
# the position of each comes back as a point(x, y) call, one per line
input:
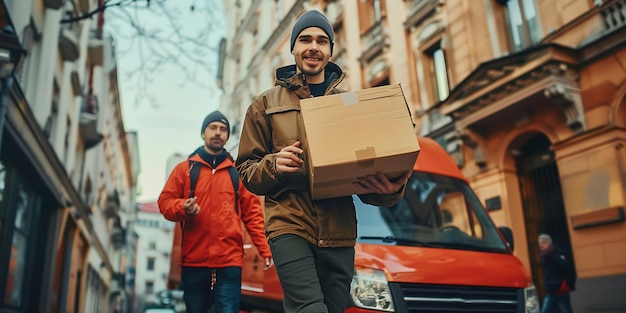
point(3, 185)
point(149, 287)
point(523, 23)
point(438, 73)
point(371, 13)
point(150, 265)
point(29, 39)
point(23, 226)
point(25, 206)
point(152, 245)
point(436, 211)
point(51, 122)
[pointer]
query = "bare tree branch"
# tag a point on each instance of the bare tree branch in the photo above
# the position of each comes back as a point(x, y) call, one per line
point(158, 34)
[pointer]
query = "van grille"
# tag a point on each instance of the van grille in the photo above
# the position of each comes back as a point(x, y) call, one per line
point(452, 299)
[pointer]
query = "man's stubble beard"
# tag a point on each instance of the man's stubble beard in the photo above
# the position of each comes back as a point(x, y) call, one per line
point(214, 148)
point(311, 73)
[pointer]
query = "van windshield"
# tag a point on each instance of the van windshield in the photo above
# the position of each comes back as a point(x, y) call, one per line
point(436, 211)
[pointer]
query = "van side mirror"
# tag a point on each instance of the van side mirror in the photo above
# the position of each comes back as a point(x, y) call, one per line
point(508, 236)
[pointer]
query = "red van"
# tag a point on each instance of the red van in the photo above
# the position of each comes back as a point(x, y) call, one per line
point(437, 250)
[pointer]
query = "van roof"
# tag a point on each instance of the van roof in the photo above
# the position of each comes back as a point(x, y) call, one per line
point(434, 159)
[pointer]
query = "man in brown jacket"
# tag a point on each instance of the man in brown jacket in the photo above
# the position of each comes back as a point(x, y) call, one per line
point(312, 241)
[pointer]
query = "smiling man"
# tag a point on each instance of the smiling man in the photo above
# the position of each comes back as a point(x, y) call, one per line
point(312, 241)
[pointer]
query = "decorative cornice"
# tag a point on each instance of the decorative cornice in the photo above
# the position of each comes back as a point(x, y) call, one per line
point(284, 26)
point(502, 83)
point(420, 10)
point(494, 73)
point(568, 98)
point(554, 79)
point(473, 141)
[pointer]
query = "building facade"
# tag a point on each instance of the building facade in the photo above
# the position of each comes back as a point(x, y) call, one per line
point(154, 246)
point(68, 168)
point(527, 96)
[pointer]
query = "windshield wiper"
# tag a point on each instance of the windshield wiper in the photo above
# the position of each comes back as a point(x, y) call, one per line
point(395, 239)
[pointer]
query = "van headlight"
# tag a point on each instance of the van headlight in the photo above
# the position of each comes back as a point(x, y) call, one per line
point(369, 290)
point(531, 300)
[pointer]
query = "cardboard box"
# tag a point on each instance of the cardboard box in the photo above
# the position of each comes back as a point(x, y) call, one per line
point(354, 134)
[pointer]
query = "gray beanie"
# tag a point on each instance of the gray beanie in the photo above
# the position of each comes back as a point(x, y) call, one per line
point(313, 18)
point(215, 116)
point(545, 238)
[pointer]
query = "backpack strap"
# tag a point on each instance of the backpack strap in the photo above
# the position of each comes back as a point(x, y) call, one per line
point(194, 172)
point(234, 176)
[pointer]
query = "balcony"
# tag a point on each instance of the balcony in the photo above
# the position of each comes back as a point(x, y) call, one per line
point(89, 129)
point(112, 206)
point(504, 91)
point(419, 10)
point(374, 41)
point(95, 47)
point(118, 233)
point(53, 4)
point(614, 15)
point(118, 282)
point(118, 237)
point(68, 41)
point(83, 6)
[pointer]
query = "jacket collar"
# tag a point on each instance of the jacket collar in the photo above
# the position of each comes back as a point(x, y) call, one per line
point(291, 78)
point(213, 161)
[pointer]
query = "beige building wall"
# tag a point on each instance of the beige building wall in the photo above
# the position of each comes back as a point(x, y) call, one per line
point(64, 111)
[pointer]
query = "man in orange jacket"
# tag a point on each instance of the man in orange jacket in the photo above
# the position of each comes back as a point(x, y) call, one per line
point(211, 215)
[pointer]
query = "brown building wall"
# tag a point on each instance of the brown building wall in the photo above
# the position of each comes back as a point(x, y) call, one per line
point(584, 122)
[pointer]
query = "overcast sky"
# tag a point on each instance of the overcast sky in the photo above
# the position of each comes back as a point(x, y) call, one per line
point(173, 125)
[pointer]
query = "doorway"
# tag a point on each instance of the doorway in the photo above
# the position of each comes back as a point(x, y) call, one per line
point(542, 201)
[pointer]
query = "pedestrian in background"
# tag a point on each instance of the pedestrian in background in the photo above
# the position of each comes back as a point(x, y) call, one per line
point(312, 241)
point(211, 215)
point(559, 277)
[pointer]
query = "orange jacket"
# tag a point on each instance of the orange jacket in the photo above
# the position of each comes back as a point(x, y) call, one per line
point(214, 237)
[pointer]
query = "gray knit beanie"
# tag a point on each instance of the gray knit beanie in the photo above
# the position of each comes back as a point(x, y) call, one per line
point(545, 238)
point(313, 18)
point(215, 116)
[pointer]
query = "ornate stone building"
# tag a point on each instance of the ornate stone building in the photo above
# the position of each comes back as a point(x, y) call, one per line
point(68, 168)
point(527, 96)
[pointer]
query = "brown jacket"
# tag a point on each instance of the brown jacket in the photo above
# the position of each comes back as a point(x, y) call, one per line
point(273, 121)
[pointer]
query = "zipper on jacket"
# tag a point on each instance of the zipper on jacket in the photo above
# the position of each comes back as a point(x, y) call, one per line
point(213, 278)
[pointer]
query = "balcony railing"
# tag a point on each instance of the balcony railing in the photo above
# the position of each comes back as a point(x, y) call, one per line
point(89, 129)
point(373, 42)
point(419, 10)
point(118, 282)
point(373, 36)
point(83, 6)
point(53, 4)
point(112, 205)
point(118, 237)
point(614, 15)
point(68, 41)
point(96, 47)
